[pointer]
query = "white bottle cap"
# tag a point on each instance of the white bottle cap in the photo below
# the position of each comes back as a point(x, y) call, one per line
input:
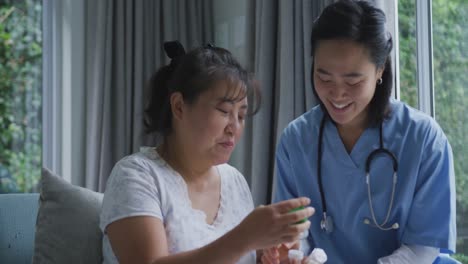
point(304, 234)
point(295, 254)
point(318, 255)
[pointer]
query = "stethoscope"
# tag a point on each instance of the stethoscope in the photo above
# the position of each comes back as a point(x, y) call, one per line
point(327, 221)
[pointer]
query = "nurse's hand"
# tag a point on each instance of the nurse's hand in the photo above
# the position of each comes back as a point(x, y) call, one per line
point(273, 224)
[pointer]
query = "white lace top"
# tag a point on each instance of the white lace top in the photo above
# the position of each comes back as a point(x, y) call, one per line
point(144, 184)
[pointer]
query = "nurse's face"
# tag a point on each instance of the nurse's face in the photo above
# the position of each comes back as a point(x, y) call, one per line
point(345, 80)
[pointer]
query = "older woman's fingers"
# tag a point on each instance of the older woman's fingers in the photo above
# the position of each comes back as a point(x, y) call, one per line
point(269, 260)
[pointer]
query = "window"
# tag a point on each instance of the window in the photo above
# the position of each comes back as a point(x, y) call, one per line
point(407, 52)
point(20, 95)
point(448, 81)
point(450, 39)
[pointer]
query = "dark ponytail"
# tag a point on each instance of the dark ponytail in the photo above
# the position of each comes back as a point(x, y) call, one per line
point(158, 115)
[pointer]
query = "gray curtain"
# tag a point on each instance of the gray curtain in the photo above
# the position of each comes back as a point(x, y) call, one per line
point(280, 46)
point(123, 48)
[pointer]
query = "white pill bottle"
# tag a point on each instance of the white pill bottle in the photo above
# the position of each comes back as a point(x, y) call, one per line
point(317, 256)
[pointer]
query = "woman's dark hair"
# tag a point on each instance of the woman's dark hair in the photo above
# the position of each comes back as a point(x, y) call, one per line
point(361, 22)
point(191, 74)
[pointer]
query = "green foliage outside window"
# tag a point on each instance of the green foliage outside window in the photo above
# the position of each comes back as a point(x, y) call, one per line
point(407, 54)
point(20, 95)
point(451, 91)
point(450, 47)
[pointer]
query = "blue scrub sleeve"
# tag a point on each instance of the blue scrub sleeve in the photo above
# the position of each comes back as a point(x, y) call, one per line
point(432, 219)
point(284, 183)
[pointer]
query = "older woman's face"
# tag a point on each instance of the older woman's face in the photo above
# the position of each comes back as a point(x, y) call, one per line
point(345, 80)
point(213, 125)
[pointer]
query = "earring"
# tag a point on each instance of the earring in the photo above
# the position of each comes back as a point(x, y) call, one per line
point(379, 81)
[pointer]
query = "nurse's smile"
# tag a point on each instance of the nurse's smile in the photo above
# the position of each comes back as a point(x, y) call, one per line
point(340, 108)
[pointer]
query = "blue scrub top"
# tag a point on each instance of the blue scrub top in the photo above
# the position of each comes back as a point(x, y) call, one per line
point(424, 203)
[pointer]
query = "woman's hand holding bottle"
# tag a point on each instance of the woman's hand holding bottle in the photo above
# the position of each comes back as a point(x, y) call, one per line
point(271, 225)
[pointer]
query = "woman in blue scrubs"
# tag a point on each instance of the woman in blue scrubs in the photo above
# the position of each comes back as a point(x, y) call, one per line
point(402, 217)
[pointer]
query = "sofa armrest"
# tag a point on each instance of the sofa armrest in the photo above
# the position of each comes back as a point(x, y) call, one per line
point(18, 212)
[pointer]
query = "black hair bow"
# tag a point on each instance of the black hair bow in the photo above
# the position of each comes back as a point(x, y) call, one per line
point(174, 49)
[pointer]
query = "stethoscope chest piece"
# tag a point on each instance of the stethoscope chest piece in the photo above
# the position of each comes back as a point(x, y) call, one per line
point(327, 223)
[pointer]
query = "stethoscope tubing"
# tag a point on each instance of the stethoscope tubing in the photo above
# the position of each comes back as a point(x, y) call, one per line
point(326, 223)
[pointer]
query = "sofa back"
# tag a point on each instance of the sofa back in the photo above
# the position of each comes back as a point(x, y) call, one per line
point(18, 212)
